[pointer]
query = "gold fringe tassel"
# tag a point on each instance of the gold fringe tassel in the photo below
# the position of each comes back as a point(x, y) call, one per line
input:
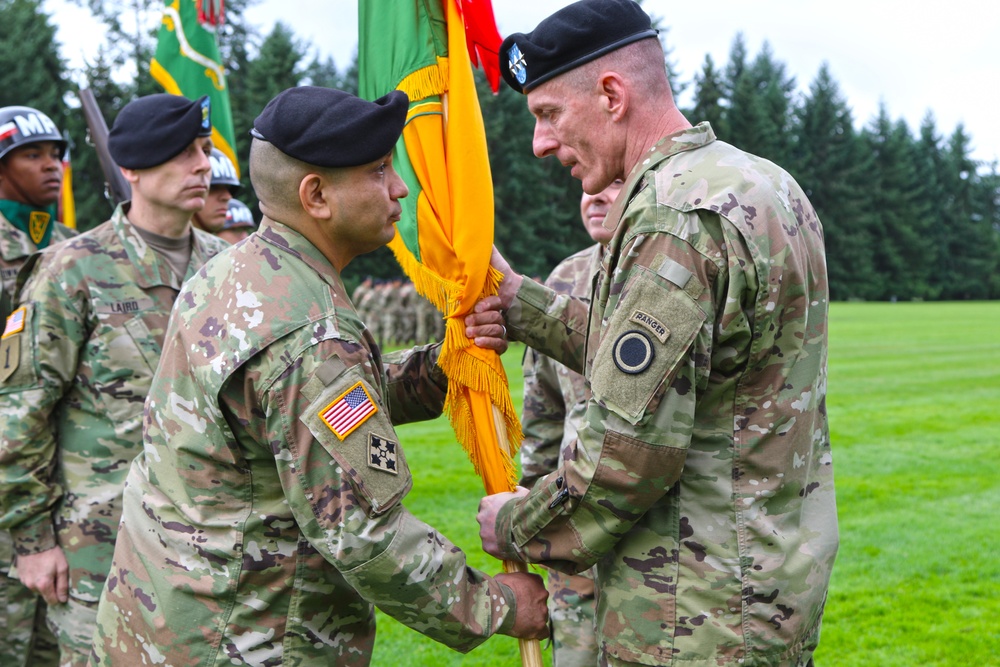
point(426, 81)
point(465, 369)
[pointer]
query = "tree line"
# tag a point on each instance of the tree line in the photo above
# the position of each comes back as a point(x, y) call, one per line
point(908, 214)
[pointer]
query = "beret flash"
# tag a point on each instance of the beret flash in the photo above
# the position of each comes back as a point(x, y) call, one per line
point(573, 36)
point(155, 128)
point(330, 128)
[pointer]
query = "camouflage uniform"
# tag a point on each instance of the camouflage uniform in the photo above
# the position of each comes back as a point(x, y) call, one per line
point(256, 530)
point(95, 310)
point(701, 484)
point(19, 606)
point(555, 401)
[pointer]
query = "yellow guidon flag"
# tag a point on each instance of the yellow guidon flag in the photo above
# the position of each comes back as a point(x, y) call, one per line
point(445, 237)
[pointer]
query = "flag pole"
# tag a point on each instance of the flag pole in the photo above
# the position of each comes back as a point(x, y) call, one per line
point(531, 649)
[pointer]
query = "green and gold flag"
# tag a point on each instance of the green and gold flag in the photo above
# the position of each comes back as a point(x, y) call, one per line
point(187, 62)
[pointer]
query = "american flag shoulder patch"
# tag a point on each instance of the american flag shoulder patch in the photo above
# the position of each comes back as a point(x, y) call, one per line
point(15, 322)
point(349, 410)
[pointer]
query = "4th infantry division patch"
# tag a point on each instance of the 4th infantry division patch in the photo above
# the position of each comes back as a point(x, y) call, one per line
point(348, 411)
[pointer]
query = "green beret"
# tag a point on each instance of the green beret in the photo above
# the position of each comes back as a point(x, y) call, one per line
point(153, 129)
point(330, 128)
point(573, 36)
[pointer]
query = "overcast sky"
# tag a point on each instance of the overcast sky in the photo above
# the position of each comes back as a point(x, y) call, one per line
point(913, 56)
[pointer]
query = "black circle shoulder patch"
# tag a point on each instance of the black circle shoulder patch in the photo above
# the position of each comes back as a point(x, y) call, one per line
point(633, 352)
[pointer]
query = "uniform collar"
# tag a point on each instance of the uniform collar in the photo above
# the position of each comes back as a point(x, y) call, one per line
point(670, 145)
point(287, 240)
point(152, 269)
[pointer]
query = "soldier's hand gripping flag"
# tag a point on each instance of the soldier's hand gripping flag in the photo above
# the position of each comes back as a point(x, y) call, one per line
point(445, 237)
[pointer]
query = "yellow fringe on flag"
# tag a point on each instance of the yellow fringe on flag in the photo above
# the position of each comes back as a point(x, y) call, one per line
point(468, 366)
point(426, 81)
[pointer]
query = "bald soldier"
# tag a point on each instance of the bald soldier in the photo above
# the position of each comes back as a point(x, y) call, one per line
point(264, 517)
point(82, 343)
point(701, 481)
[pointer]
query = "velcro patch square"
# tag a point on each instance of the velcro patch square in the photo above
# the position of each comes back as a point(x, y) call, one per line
point(348, 411)
point(382, 454)
point(15, 322)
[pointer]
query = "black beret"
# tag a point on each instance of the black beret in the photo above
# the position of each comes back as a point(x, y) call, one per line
point(330, 128)
point(573, 36)
point(152, 129)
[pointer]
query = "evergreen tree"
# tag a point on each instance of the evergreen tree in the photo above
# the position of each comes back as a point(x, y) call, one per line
point(899, 223)
point(929, 166)
point(759, 116)
point(708, 97)
point(31, 71)
point(131, 39)
point(831, 165)
point(277, 66)
point(970, 260)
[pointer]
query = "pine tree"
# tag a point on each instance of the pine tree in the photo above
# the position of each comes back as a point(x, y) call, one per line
point(830, 165)
point(969, 235)
point(708, 97)
point(899, 223)
point(31, 71)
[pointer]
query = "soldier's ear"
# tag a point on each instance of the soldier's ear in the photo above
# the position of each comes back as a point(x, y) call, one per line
point(312, 196)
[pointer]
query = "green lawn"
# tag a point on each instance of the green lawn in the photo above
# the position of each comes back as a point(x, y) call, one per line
point(914, 401)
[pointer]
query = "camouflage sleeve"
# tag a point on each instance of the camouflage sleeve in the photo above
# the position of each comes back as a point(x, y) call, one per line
point(47, 351)
point(555, 324)
point(655, 343)
point(543, 419)
point(416, 384)
point(345, 480)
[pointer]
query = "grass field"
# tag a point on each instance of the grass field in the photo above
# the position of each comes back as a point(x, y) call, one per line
point(914, 403)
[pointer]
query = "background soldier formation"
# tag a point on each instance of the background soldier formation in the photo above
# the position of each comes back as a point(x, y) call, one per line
point(395, 314)
point(263, 515)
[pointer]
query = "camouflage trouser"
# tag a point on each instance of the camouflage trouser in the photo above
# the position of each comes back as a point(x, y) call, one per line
point(571, 608)
point(22, 620)
point(73, 624)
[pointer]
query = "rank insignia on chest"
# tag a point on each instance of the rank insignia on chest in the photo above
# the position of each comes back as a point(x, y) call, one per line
point(633, 352)
point(382, 454)
point(349, 410)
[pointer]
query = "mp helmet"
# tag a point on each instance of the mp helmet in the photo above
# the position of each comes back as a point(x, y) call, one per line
point(238, 215)
point(24, 125)
point(223, 171)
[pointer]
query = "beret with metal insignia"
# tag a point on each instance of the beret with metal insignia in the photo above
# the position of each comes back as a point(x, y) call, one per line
point(153, 129)
point(573, 36)
point(330, 128)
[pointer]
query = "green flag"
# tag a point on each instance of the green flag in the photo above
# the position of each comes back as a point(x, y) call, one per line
point(188, 63)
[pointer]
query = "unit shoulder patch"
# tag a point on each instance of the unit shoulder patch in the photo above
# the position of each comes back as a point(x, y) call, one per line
point(633, 352)
point(382, 454)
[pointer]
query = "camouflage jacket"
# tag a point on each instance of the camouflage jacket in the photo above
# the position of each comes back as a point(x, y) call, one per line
point(701, 483)
point(555, 398)
point(264, 516)
point(79, 353)
point(15, 248)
